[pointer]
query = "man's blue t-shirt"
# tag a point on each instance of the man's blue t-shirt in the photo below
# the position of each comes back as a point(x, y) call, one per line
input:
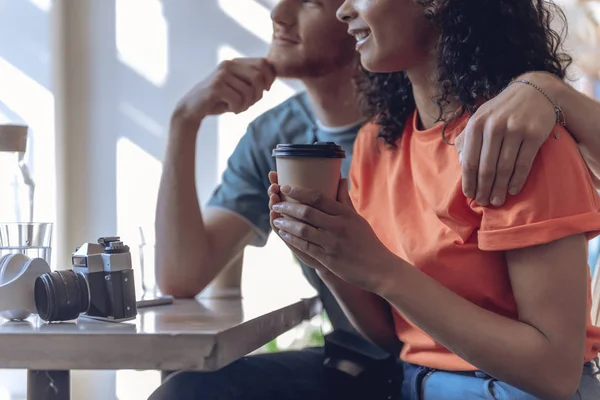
point(244, 185)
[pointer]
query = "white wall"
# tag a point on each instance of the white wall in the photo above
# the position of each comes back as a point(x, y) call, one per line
point(126, 64)
point(115, 69)
point(26, 91)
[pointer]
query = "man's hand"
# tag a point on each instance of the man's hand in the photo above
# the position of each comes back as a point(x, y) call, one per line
point(235, 86)
point(502, 138)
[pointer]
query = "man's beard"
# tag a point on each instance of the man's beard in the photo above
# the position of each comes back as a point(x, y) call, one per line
point(288, 67)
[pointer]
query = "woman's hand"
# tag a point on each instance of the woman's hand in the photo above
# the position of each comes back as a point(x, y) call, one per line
point(501, 140)
point(274, 198)
point(368, 312)
point(331, 234)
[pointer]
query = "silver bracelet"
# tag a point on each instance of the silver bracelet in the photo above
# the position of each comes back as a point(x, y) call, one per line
point(560, 116)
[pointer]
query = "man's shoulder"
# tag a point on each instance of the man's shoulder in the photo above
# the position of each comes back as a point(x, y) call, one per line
point(296, 105)
point(286, 121)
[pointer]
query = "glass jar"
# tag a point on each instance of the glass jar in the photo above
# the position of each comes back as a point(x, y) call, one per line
point(16, 185)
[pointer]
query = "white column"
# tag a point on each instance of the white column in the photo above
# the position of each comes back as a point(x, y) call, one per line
point(71, 54)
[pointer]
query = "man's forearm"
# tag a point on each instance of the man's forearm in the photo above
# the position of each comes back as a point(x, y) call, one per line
point(582, 115)
point(369, 314)
point(181, 240)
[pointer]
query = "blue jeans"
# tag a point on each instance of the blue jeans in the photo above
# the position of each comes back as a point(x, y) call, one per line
point(290, 375)
point(421, 383)
point(300, 375)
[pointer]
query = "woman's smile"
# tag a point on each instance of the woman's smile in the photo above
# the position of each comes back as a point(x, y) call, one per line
point(361, 35)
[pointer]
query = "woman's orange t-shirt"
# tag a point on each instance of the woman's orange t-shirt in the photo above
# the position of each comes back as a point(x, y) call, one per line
point(412, 197)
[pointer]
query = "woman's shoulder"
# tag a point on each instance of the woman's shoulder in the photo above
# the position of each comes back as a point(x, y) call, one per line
point(557, 200)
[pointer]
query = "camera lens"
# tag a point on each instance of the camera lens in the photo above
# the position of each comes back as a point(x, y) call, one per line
point(61, 295)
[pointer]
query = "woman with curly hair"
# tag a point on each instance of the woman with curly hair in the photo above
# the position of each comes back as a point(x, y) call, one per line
point(487, 302)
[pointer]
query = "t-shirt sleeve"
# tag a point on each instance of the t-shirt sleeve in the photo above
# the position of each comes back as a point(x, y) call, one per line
point(558, 200)
point(244, 184)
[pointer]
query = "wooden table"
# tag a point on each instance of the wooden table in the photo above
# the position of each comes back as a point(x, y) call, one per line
point(199, 335)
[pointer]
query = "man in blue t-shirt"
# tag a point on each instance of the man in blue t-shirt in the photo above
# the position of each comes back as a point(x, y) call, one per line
point(195, 249)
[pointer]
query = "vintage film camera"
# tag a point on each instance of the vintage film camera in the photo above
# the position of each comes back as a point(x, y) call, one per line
point(99, 286)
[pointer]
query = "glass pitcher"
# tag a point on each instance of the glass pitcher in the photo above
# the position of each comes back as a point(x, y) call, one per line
point(18, 232)
point(16, 185)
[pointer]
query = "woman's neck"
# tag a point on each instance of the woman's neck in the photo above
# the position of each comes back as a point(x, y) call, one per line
point(426, 90)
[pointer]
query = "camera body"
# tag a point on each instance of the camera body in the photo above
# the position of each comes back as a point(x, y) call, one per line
point(108, 270)
point(100, 285)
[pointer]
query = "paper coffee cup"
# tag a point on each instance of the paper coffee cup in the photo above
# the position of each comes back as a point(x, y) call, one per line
point(310, 166)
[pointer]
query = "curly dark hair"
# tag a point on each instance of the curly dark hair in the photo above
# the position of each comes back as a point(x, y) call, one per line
point(482, 46)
